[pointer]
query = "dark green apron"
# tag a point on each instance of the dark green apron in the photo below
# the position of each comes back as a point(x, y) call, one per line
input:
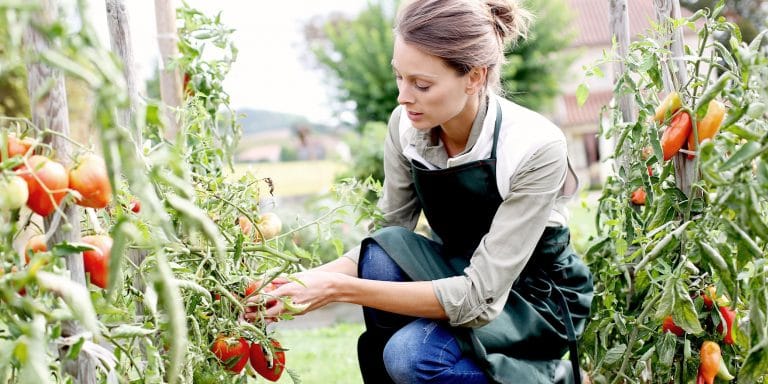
point(548, 304)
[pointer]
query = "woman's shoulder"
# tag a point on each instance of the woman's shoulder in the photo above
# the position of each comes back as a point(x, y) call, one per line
point(523, 122)
point(528, 135)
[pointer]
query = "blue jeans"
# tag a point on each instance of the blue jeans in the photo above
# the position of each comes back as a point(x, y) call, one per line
point(407, 349)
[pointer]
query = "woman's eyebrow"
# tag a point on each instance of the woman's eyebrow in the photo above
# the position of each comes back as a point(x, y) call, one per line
point(394, 69)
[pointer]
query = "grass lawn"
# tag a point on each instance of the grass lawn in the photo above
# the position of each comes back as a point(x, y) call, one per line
point(323, 355)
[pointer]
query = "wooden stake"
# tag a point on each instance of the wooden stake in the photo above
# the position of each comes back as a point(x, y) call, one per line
point(170, 80)
point(49, 111)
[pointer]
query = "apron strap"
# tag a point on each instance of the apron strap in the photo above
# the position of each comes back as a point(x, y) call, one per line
point(570, 331)
point(496, 129)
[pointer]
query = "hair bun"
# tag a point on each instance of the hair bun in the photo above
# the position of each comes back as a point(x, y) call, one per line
point(509, 18)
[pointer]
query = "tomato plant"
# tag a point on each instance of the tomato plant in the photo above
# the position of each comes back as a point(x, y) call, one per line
point(165, 277)
point(691, 260)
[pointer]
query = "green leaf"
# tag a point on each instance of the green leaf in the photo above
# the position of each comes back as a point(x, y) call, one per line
point(684, 312)
point(614, 354)
point(746, 153)
point(756, 364)
point(119, 244)
point(127, 331)
point(667, 301)
point(63, 249)
point(339, 245)
point(75, 295)
point(666, 348)
point(74, 350)
point(582, 94)
point(175, 315)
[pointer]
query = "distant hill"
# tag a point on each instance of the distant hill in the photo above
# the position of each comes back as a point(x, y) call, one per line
point(259, 121)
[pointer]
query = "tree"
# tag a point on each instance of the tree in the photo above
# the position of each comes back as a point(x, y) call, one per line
point(535, 66)
point(357, 53)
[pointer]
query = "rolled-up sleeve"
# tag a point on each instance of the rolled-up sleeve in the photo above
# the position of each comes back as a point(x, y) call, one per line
point(399, 202)
point(478, 296)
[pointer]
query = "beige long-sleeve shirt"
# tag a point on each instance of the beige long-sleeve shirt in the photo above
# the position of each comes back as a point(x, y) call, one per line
point(534, 180)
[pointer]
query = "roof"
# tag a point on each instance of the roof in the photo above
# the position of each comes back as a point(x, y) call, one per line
point(592, 20)
point(589, 112)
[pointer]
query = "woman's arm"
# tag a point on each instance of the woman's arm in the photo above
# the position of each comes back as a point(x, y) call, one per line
point(318, 288)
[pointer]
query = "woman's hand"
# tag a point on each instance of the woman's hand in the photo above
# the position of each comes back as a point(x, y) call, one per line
point(309, 290)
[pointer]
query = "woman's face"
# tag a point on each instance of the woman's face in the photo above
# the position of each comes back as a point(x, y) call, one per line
point(431, 93)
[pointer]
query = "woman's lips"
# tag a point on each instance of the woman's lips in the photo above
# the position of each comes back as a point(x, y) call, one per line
point(414, 115)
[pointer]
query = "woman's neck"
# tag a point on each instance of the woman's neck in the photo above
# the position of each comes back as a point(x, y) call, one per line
point(455, 132)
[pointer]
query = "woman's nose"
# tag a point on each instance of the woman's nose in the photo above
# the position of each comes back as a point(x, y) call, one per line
point(403, 96)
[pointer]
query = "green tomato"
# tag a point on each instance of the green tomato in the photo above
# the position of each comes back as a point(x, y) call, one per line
point(13, 193)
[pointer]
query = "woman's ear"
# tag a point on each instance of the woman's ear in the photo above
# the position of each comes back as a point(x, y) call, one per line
point(476, 79)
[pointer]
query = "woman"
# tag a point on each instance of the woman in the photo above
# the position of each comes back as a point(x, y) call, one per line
point(497, 293)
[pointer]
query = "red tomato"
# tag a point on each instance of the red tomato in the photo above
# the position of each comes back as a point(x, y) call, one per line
point(232, 352)
point(668, 325)
point(270, 369)
point(19, 147)
point(638, 196)
point(35, 244)
point(676, 134)
point(53, 177)
point(97, 260)
point(729, 316)
point(135, 206)
point(89, 177)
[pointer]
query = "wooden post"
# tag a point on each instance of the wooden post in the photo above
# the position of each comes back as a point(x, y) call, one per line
point(170, 80)
point(620, 32)
point(120, 37)
point(675, 76)
point(49, 111)
point(121, 41)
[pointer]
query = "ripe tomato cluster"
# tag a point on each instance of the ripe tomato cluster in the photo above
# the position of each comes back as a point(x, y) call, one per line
point(234, 353)
point(679, 130)
point(679, 134)
point(42, 183)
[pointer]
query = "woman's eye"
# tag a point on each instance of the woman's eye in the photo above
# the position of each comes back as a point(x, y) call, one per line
point(421, 87)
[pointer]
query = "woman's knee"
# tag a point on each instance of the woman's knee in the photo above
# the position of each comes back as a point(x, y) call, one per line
point(425, 351)
point(375, 264)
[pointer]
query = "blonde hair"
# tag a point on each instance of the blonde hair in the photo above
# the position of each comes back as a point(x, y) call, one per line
point(465, 34)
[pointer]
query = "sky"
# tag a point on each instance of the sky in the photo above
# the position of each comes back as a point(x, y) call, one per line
point(271, 71)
